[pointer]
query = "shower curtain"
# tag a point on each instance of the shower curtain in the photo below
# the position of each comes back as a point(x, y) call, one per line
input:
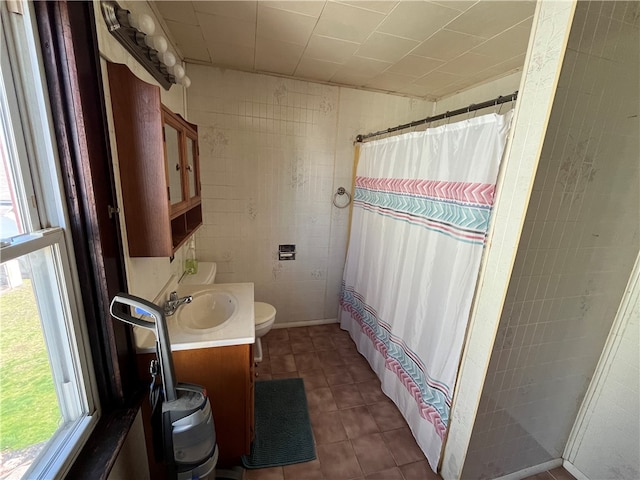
point(421, 210)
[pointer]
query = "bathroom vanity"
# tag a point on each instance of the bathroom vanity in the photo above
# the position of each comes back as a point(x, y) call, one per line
point(219, 357)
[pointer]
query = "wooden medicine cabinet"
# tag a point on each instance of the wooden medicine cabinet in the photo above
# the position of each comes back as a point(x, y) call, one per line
point(159, 169)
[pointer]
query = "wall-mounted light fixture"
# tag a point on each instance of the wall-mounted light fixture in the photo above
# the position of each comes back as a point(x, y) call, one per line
point(137, 34)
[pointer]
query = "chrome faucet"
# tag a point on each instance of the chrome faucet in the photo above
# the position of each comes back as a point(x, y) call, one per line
point(174, 302)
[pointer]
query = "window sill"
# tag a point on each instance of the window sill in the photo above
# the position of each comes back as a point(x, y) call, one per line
point(97, 457)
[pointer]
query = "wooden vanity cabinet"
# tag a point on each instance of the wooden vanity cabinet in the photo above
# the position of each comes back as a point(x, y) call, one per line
point(228, 375)
point(162, 209)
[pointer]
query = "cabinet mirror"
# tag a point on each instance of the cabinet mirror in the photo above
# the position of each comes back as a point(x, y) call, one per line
point(172, 145)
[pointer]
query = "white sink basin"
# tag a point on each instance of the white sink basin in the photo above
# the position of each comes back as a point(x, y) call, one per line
point(207, 312)
point(220, 315)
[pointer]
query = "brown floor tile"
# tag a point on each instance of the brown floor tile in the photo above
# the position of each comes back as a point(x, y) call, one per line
point(403, 446)
point(274, 473)
point(389, 474)
point(373, 454)
point(561, 474)
point(307, 361)
point(282, 364)
point(264, 376)
point(277, 335)
point(327, 427)
point(323, 342)
point(361, 373)
point(372, 392)
point(347, 396)
point(358, 422)
point(263, 367)
point(321, 400)
point(317, 330)
point(276, 376)
point(307, 471)
point(338, 461)
point(350, 354)
point(297, 333)
point(419, 471)
point(313, 379)
point(279, 348)
point(343, 378)
point(333, 369)
point(302, 345)
point(343, 339)
point(330, 358)
point(387, 416)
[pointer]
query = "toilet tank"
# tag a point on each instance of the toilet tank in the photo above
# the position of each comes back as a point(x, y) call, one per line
point(206, 274)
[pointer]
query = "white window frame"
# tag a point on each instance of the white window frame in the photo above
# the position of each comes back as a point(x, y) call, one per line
point(24, 106)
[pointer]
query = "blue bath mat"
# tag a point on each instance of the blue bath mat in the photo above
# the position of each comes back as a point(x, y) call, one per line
point(283, 434)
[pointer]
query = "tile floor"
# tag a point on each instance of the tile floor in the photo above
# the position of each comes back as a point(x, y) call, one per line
point(359, 432)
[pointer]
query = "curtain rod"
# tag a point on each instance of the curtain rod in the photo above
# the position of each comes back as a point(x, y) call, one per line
point(471, 108)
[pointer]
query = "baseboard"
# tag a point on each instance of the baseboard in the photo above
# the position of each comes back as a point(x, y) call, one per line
point(531, 471)
point(571, 468)
point(308, 323)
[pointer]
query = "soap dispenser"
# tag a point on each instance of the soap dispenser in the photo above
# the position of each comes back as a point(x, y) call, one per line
point(191, 264)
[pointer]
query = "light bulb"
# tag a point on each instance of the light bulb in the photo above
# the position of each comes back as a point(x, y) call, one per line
point(133, 20)
point(185, 82)
point(178, 72)
point(157, 42)
point(146, 25)
point(168, 58)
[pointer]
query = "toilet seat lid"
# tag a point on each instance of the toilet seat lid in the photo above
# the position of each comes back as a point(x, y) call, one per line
point(263, 312)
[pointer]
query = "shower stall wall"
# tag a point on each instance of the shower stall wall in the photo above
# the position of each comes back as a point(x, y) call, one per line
point(580, 238)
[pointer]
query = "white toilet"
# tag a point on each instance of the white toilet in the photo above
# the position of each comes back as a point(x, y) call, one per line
point(264, 313)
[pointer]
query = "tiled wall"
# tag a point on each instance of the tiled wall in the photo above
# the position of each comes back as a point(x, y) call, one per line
point(579, 242)
point(273, 151)
point(605, 442)
point(550, 32)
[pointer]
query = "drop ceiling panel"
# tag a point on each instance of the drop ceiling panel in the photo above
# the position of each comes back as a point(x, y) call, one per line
point(277, 57)
point(244, 10)
point(375, 6)
point(309, 7)
point(316, 69)
point(389, 81)
point(347, 22)
point(417, 20)
point(189, 41)
point(387, 48)
point(447, 45)
point(291, 27)
point(468, 63)
point(415, 66)
point(505, 45)
point(486, 19)
point(226, 30)
point(330, 49)
point(182, 12)
point(410, 47)
point(233, 56)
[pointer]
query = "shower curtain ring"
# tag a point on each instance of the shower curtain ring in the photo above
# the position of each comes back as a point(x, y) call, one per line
point(341, 191)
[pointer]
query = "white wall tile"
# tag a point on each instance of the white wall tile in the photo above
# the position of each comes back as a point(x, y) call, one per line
point(273, 151)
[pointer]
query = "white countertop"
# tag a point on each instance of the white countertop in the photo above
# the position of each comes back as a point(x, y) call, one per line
point(239, 330)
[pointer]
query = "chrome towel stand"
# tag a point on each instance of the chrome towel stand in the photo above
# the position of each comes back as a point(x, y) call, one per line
point(341, 191)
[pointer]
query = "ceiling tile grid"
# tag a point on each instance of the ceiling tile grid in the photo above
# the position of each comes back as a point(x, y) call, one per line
point(420, 48)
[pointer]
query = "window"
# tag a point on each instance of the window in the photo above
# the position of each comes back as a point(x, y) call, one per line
point(47, 390)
